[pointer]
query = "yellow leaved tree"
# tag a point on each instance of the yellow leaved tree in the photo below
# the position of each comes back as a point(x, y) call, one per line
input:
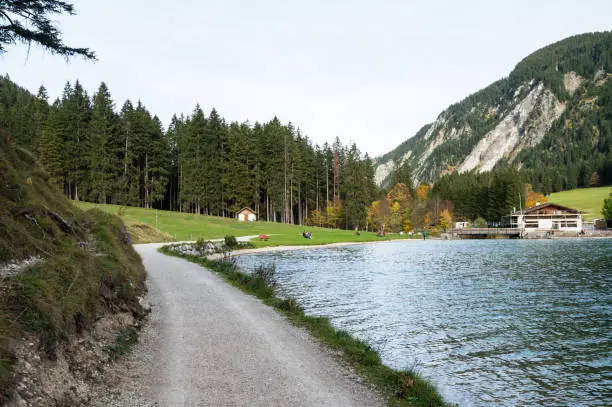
point(422, 191)
point(535, 197)
point(446, 219)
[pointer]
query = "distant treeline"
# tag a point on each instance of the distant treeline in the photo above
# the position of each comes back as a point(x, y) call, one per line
point(200, 164)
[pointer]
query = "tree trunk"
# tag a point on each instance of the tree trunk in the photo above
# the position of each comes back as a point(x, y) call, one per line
point(299, 204)
point(326, 186)
point(146, 181)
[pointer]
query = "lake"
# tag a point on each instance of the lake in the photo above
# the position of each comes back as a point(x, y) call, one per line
point(490, 322)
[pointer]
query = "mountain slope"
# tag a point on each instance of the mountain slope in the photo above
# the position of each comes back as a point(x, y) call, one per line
point(548, 97)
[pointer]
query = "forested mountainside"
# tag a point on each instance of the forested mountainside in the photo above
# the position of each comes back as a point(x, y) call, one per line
point(200, 164)
point(551, 118)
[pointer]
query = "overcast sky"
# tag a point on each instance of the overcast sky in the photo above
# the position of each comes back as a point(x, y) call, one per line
point(370, 72)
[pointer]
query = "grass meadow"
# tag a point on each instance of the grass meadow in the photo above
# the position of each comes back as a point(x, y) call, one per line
point(588, 200)
point(179, 226)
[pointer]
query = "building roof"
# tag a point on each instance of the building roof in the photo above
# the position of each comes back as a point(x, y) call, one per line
point(537, 208)
point(246, 208)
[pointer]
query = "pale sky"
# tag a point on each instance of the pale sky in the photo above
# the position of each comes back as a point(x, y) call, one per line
point(369, 72)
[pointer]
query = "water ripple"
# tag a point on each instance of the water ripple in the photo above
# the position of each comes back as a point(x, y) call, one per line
point(490, 322)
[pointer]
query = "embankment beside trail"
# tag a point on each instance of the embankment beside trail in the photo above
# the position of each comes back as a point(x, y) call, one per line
point(69, 287)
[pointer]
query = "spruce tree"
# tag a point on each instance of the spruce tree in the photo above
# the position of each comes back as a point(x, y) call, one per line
point(52, 145)
point(103, 149)
point(77, 112)
point(31, 22)
point(129, 184)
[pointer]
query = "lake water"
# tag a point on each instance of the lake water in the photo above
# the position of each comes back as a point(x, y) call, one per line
point(490, 322)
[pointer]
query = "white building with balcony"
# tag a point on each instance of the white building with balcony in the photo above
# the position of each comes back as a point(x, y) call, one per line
point(546, 217)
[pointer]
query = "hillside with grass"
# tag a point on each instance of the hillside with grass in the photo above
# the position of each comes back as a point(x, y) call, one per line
point(150, 225)
point(62, 271)
point(588, 200)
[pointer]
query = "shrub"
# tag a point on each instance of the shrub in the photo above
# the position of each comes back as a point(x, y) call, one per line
point(267, 273)
point(607, 208)
point(205, 247)
point(231, 242)
point(479, 223)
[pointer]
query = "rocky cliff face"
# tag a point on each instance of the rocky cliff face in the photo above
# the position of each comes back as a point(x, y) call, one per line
point(500, 124)
point(522, 127)
point(450, 143)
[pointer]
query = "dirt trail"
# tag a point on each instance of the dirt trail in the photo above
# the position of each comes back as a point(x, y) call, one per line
point(209, 344)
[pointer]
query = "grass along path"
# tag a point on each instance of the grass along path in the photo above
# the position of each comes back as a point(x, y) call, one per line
point(184, 226)
point(589, 200)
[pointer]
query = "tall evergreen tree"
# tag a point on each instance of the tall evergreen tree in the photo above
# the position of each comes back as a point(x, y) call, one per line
point(76, 106)
point(52, 145)
point(103, 149)
point(129, 179)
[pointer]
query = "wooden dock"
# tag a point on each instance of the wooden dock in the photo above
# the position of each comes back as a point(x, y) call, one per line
point(486, 233)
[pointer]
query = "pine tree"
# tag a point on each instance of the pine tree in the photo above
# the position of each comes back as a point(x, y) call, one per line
point(156, 164)
point(52, 145)
point(192, 161)
point(40, 113)
point(30, 21)
point(103, 149)
point(76, 106)
point(129, 178)
point(237, 181)
point(173, 139)
point(215, 165)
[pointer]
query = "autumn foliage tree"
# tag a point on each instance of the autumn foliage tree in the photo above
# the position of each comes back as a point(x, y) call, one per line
point(446, 219)
point(535, 197)
point(393, 211)
point(334, 214)
point(422, 192)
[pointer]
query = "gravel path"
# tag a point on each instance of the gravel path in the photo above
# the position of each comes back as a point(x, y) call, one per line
point(209, 344)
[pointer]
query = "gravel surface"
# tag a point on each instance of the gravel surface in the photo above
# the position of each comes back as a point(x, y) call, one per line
point(209, 344)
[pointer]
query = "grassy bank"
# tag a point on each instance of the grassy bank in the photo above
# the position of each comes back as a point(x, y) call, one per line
point(60, 268)
point(589, 200)
point(184, 226)
point(400, 388)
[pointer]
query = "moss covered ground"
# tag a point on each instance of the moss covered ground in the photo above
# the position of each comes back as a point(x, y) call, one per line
point(61, 267)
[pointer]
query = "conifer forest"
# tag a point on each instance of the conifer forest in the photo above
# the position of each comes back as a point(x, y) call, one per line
point(97, 152)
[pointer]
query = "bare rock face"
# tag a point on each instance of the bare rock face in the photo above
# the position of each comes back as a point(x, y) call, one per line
point(492, 126)
point(382, 171)
point(442, 135)
point(521, 124)
point(74, 375)
point(523, 127)
point(572, 81)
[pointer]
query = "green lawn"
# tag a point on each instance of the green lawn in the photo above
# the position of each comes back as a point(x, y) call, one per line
point(183, 226)
point(589, 200)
